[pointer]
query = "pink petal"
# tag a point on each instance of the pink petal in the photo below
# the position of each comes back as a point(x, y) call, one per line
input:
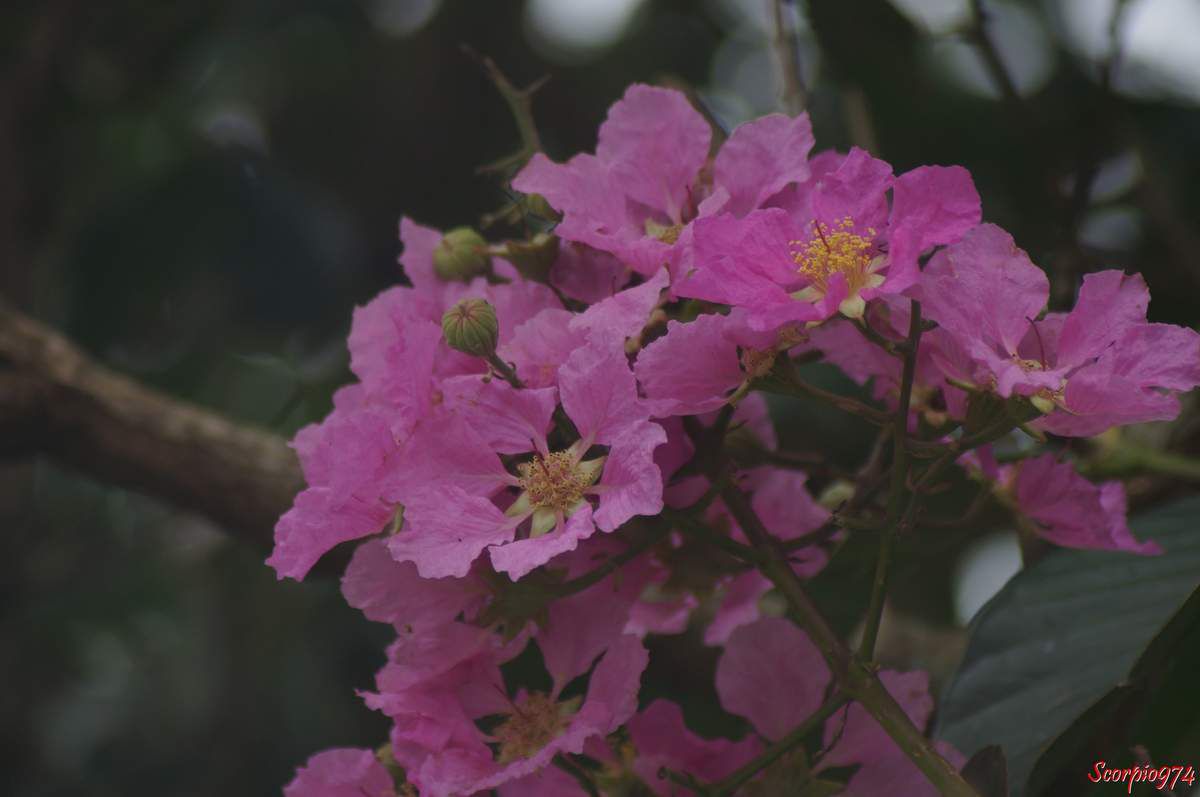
point(388, 591)
point(631, 484)
point(856, 189)
point(540, 345)
point(521, 557)
point(662, 739)
point(691, 369)
point(985, 292)
point(739, 606)
point(1109, 304)
point(1156, 355)
point(582, 626)
point(760, 158)
point(317, 522)
point(656, 144)
point(625, 314)
point(931, 205)
point(417, 259)
point(342, 772)
point(771, 674)
point(1071, 511)
point(585, 274)
point(599, 393)
point(509, 420)
point(885, 769)
point(445, 529)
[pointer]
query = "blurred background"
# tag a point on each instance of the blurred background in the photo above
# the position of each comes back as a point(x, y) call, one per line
point(199, 193)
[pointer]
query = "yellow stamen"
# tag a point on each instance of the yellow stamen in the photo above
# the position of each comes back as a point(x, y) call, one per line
point(533, 724)
point(555, 481)
point(839, 250)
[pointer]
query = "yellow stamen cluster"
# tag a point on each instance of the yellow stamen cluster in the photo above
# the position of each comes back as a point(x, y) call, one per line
point(555, 481)
point(667, 233)
point(533, 724)
point(835, 250)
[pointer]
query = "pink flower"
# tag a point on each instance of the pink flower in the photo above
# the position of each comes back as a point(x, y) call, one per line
point(540, 346)
point(834, 251)
point(1098, 366)
point(357, 461)
point(771, 674)
point(451, 517)
point(662, 739)
point(533, 727)
point(691, 369)
point(884, 767)
point(350, 463)
point(1060, 505)
point(342, 772)
point(1070, 511)
point(585, 274)
point(635, 197)
point(388, 591)
point(788, 512)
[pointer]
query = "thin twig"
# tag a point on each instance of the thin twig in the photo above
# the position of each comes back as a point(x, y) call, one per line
point(520, 103)
point(729, 784)
point(895, 500)
point(790, 384)
point(854, 677)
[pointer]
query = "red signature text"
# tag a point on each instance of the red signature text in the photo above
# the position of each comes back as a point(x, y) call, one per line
point(1161, 778)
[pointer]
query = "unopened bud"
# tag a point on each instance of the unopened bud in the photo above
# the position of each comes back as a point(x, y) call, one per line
point(461, 255)
point(471, 327)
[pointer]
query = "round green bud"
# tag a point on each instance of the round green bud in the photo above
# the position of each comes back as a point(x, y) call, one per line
point(471, 327)
point(461, 255)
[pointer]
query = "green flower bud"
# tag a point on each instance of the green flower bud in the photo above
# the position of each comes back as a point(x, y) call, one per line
point(461, 255)
point(471, 327)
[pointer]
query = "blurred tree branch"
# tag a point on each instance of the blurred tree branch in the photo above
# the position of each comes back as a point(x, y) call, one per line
point(56, 400)
point(787, 50)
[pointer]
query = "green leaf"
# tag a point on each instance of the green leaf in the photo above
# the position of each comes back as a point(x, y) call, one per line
point(1062, 635)
point(987, 772)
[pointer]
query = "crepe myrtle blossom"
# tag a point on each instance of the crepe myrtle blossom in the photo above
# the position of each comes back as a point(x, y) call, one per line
point(835, 247)
point(660, 738)
point(356, 461)
point(1059, 505)
point(342, 772)
point(540, 345)
point(772, 674)
point(452, 512)
point(1098, 366)
point(650, 177)
point(695, 366)
point(440, 689)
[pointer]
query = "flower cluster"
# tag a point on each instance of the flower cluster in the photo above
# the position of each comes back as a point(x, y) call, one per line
point(561, 445)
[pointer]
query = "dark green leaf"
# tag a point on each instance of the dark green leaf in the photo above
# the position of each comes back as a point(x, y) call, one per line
point(987, 771)
point(1061, 635)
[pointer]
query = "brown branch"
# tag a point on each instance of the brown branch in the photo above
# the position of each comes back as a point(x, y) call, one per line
point(55, 400)
point(787, 49)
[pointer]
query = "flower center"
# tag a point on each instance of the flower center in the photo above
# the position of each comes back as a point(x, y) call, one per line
point(533, 724)
point(555, 481)
point(667, 233)
point(835, 250)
